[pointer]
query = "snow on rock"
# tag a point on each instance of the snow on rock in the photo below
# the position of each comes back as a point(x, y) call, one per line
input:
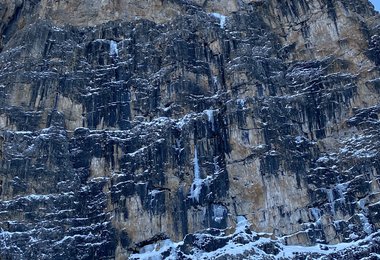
point(246, 244)
point(154, 251)
point(280, 115)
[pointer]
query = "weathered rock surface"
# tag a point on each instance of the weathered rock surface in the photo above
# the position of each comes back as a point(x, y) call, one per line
point(126, 124)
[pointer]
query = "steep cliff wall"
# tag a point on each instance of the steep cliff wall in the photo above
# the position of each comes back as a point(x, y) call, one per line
point(125, 123)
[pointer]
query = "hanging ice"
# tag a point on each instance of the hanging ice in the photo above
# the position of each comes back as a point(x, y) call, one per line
point(240, 102)
point(218, 213)
point(197, 182)
point(222, 19)
point(196, 165)
point(113, 48)
point(316, 214)
point(210, 115)
point(215, 80)
point(330, 198)
point(366, 225)
point(341, 189)
point(217, 169)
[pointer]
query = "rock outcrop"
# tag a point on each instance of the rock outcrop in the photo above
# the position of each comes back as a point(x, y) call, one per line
point(126, 124)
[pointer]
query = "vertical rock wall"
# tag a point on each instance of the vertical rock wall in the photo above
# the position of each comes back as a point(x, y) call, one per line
point(127, 123)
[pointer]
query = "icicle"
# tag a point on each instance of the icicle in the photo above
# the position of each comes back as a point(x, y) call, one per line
point(196, 164)
point(217, 169)
point(210, 116)
point(197, 182)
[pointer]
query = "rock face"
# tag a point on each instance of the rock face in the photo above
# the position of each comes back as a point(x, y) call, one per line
point(128, 123)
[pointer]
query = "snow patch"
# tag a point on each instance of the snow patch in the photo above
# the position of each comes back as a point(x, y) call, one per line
point(323, 159)
point(299, 139)
point(185, 120)
point(153, 193)
point(250, 250)
point(154, 251)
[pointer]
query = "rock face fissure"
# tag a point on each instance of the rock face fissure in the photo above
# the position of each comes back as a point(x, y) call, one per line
point(128, 126)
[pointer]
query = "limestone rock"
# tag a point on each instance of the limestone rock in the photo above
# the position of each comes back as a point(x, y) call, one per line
point(128, 126)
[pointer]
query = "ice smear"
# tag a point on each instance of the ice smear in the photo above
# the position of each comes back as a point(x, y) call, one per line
point(316, 214)
point(330, 198)
point(197, 182)
point(210, 116)
point(342, 188)
point(218, 212)
point(241, 224)
point(215, 80)
point(113, 49)
point(222, 19)
point(217, 169)
point(240, 102)
point(362, 203)
point(367, 227)
point(153, 193)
